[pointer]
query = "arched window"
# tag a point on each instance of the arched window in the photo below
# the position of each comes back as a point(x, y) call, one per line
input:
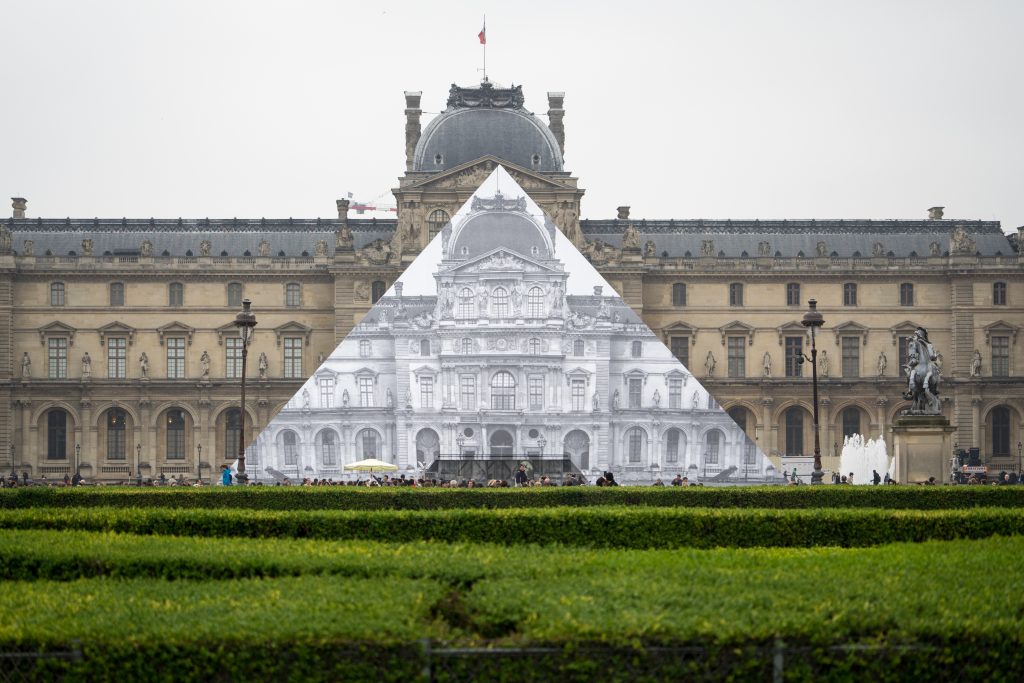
point(503, 391)
point(436, 221)
point(175, 294)
point(535, 303)
point(679, 294)
point(635, 445)
point(424, 347)
point(57, 435)
point(851, 421)
point(328, 449)
point(56, 293)
point(232, 432)
point(999, 294)
point(368, 444)
point(1000, 430)
point(175, 434)
point(290, 443)
point(117, 294)
point(293, 295)
point(500, 299)
point(235, 294)
point(795, 431)
point(533, 346)
point(736, 294)
point(117, 422)
point(377, 290)
point(673, 440)
point(712, 441)
point(739, 416)
point(465, 309)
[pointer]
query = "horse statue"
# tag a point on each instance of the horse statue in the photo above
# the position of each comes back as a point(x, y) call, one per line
point(922, 375)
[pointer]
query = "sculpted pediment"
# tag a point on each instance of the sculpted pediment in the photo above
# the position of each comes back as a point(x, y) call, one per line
point(471, 174)
point(500, 260)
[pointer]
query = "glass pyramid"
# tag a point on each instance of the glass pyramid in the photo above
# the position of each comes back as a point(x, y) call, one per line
point(501, 344)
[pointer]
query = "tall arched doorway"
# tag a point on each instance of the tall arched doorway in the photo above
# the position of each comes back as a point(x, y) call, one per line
point(501, 443)
point(577, 448)
point(428, 446)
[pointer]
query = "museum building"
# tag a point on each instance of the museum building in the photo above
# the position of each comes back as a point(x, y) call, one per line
point(118, 354)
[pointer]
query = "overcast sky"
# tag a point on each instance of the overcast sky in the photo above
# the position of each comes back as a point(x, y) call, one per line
point(703, 109)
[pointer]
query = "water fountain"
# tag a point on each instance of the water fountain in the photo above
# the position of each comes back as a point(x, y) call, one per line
point(861, 457)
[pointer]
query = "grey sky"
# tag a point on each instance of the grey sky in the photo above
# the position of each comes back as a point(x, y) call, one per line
point(681, 109)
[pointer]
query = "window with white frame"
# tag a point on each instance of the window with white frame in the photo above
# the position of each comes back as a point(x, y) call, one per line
point(175, 357)
point(737, 356)
point(365, 348)
point(293, 295)
point(536, 391)
point(328, 449)
point(579, 394)
point(1000, 356)
point(499, 299)
point(426, 392)
point(326, 392)
point(117, 355)
point(366, 392)
point(467, 388)
point(293, 358)
point(56, 293)
point(636, 386)
point(535, 303)
point(466, 308)
point(675, 393)
point(233, 357)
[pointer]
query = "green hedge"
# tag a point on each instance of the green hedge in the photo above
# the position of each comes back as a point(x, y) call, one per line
point(911, 610)
point(353, 498)
point(621, 527)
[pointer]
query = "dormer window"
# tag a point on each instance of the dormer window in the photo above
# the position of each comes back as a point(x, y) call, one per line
point(535, 159)
point(438, 159)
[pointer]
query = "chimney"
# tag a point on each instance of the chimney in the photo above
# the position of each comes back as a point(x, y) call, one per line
point(623, 213)
point(342, 209)
point(555, 115)
point(412, 125)
point(19, 204)
point(935, 213)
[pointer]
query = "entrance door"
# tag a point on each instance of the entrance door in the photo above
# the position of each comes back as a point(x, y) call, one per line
point(501, 443)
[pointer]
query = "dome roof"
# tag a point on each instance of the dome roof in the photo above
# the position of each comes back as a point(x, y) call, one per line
point(482, 121)
point(500, 222)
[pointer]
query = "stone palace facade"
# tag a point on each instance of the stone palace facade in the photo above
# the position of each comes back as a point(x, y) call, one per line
point(504, 364)
point(117, 353)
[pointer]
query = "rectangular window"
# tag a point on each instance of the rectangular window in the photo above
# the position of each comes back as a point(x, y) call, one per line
point(175, 357)
point(793, 294)
point(117, 294)
point(903, 353)
point(578, 348)
point(293, 357)
point(672, 446)
point(1000, 356)
point(293, 295)
point(637, 349)
point(636, 445)
point(57, 355)
point(851, 356)
point(711, 456)
point(907, 294)
point(366, 392)
point(117, 349)
point(426, 392)
point(536, 388)
point(579, 394)
point(636, 386)
point(736, 294)
point(57, 294)
point(467, 386)
point(326, 392)
point(675, 393)
point(737, 354)
point(365, 349)
point(794, 353)
point(681, 349)
point(233, 357)
point(679, 294)
point(176, 294)
point(850, 294)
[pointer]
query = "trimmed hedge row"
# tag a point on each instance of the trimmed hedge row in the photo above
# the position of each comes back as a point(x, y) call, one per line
point(617, 527)
point(353, 498)
point(725, 610)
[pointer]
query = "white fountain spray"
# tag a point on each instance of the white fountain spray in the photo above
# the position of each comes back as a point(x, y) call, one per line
point(862, 457)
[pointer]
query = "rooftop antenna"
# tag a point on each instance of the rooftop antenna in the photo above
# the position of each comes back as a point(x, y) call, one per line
point(483, 41)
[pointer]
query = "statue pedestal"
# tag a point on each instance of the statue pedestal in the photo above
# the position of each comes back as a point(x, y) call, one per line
point(922, 447)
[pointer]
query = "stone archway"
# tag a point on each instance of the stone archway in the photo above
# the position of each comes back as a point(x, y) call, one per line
point(577, 449)
point(428, 446)
point(501, 443)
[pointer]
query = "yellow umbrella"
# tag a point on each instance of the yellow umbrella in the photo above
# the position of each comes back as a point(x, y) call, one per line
point(371, 465)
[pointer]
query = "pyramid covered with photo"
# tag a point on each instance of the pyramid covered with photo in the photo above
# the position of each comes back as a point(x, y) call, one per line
point(500, 345)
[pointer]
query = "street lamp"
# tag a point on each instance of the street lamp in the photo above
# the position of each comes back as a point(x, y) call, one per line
point(138, 460)
point(460, 440)
point(813, 320)
point(245, 322)
point(542, 442)
point(199, 465)
point(1020, 446)
point(78, 455)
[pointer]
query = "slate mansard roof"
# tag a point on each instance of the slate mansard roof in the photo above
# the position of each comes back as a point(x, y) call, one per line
point(676, 237)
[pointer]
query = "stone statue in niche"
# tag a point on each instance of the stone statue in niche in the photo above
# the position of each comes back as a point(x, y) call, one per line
point(28, 248)
point(883, 363)
point(696, 399)
point(264, 248)
point(615, 400)
point(263, 364)
point(144, 366)
point(343, 238)
point(631, 237)
point(822, 250)
point(204, 364)
point(597, 401)
point(877, 249)
point(389, 398)
point(87, 247)
point(656, 398)
point(766, 364)
point(204, 248)
point(650, 249)
point(321, 248)
point(764, 249)
point(146, 249)
point(709, 364)
point(86, 366)
point(976, 364)
point(961, 243)
point(935, 249)
point(344, 398)
point(26, 366)
point(305, 399)
point(707, 248)
point(823, 363)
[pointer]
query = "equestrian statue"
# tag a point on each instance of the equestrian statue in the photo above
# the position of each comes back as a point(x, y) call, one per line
point(922, 376)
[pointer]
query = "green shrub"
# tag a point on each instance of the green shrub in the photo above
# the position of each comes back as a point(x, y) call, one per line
point(613, 527)
point(353, 498)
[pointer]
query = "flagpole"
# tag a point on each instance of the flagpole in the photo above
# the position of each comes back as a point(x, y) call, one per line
point(485, 47)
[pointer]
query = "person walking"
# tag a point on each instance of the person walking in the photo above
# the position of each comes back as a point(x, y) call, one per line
point(876, 478)
point(225, 475)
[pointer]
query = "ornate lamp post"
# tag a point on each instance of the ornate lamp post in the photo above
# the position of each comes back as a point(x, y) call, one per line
point(460, 440)
point(78, 455)
point(199, 461)
point(245, 322)
point(1020, 447)
point(542, 442)
point(813, 320)
point(138, 460)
